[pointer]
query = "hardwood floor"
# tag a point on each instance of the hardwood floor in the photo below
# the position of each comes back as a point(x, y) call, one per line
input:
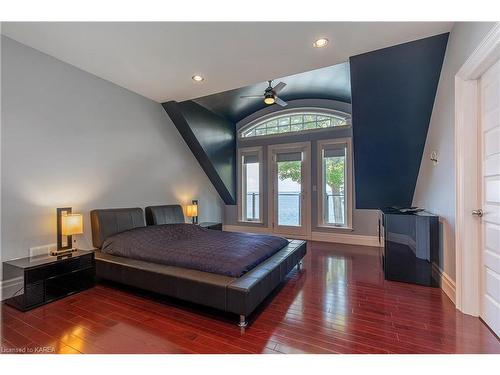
point(339, 303)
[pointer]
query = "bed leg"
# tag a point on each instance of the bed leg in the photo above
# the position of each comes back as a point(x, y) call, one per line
point(243, 321)
point(300, 265)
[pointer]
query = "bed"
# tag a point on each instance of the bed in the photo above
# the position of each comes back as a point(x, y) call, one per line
point(203, 266)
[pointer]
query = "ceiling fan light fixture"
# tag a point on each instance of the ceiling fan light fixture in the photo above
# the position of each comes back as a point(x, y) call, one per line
point(320, 43)
point(269, 99)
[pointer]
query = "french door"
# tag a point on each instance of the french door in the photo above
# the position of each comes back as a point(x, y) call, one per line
point(490, 211)
point(289, 197)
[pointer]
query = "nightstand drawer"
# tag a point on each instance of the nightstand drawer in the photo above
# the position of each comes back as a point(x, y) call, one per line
point(34, 294)
point(68, 265)
point(59, 286)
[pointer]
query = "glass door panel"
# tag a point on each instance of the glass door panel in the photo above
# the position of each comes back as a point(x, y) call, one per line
point(290, 171)
point(289, 191)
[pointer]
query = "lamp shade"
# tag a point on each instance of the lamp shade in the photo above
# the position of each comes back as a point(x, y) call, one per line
point(71, 224)
point(192, 210)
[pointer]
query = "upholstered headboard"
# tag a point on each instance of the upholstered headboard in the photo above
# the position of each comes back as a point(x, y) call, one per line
point(107, 222)
point(169, 214)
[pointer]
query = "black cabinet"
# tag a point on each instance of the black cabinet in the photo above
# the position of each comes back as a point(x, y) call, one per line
point(410, 246)
point(47, 278)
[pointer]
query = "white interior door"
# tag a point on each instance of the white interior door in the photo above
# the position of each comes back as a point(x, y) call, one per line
point(490, 181)
point(289, 206)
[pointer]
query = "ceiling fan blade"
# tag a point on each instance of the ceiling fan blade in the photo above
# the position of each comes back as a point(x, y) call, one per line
point(280, 86)
point(280, 102)
point(252, 96)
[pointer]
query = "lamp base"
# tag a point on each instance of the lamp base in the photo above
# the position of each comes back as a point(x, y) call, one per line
point(58, 253)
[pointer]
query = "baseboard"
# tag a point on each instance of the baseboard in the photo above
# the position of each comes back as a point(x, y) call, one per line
point(9, 287)
point(446, 283)
point(350, 239)
point(245, 229)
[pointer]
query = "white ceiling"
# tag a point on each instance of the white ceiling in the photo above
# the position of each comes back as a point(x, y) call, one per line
point(158, 59)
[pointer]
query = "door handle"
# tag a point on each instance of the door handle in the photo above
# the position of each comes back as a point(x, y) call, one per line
point(478, 212)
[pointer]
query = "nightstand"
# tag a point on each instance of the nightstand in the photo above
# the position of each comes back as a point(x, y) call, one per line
point(210, 225)
point(48, 278)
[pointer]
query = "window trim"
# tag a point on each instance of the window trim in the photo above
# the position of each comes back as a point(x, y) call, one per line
point(258, 150)
point(348, 192)
point(291, 112)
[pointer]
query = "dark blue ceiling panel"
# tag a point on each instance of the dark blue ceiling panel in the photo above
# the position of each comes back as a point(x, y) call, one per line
point(332, 82)
point(212, 141)
point(393, 91)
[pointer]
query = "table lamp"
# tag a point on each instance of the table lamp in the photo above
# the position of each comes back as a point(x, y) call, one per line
point(68, 224)
point(192, 211)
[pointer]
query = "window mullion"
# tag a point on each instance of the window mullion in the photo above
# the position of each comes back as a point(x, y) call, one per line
point(283, 124)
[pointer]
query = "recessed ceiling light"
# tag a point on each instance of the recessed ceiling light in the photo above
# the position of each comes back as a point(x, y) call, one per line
point(320, 43)
point(197, 78)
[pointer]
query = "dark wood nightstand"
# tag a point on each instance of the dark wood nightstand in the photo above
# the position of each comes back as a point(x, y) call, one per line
point(210, 225)
point(47, 278)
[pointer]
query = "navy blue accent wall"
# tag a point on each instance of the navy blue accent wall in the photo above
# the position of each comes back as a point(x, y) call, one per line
point(393, 91)
point(212, 140)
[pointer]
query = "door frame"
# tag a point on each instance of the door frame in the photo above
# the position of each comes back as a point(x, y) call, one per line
point(467, 187)
point(306, 182)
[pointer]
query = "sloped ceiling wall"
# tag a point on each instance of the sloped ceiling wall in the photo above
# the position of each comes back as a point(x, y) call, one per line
point(211, 139)
point(393, 91)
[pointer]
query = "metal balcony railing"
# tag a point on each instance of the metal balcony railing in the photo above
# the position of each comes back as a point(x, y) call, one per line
point(253, 206)
point(335, 209)
point(290, 209)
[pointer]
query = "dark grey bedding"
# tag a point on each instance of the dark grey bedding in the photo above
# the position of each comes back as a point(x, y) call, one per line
point(190, 246)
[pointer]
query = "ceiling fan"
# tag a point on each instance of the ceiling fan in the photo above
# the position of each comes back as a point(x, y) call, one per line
point(270, 95)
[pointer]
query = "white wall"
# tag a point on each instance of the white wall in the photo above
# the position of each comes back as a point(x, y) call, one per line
point(435, 188)
point(72, 139)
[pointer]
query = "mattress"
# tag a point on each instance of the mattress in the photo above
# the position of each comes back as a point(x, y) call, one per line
point(190, 246)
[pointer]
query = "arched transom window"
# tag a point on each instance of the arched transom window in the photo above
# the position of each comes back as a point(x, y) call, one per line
point(296, 121)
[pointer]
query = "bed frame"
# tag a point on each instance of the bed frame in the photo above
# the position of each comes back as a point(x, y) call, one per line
point(240, 295)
